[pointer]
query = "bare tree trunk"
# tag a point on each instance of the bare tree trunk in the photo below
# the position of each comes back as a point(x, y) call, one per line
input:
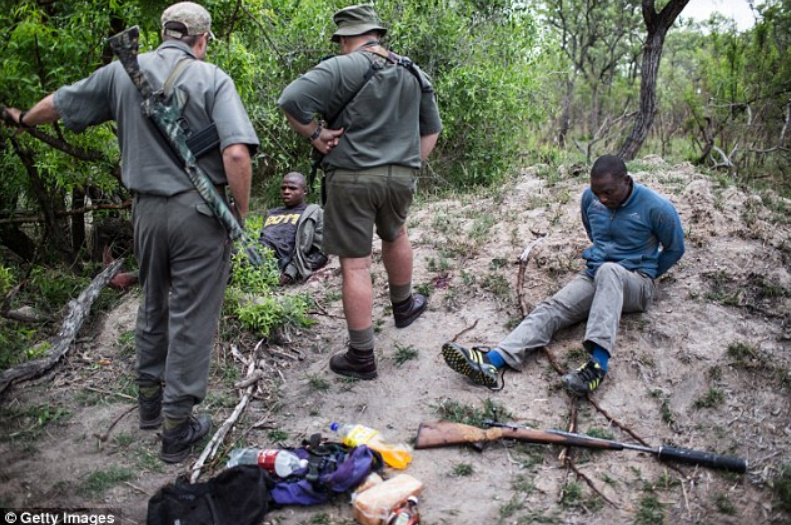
point(50, 204)
point(565, 118)
point(657, 25)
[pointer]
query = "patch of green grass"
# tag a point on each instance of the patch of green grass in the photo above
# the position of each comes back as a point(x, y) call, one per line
point(600, 433)
point(126, 344)
point(511, 507)
point(712, 398)
point(43, 415)
point(404, 354)
point(467, 278)
point(462, 470)
point(724, 505)
point(742, 352)
point(148, 460)
point(482, 225)
point(98, 482)
point(322, 518)
point(439, 265)
point(523, 484)
point(452, 410)
point(529, 454)
point(609, 479)
point(496, 264)
point(781, 487)
point(333, 296)
point(124, 439)
point(425, 289)
point(650, 512)
point(722, 290)
point(715, 373)
point(497, 285)
point(572, 495)
point(668, 417)
point(318, 383)
point(277, 436)
point(538, 517)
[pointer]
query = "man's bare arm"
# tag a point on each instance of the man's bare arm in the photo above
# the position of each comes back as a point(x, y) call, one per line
point(44, 112)
point(427, 143)
point(239, 171)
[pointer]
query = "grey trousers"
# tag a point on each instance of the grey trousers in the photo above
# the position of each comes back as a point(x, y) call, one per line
point(602, 299)
point(183, 253)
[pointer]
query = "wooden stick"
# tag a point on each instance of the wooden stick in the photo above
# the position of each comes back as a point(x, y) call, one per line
point(465, 331)
point(523, 259)
point(211, 448)
point(103, 437)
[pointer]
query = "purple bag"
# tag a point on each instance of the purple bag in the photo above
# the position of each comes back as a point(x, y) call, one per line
point(332, 469)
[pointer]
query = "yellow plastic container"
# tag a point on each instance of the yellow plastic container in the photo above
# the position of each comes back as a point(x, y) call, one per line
point(397, 456)
point(373, 506)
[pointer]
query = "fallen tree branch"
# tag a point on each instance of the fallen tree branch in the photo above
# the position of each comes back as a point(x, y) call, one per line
point(455, 337)
point(76, 311)
point(520, 277)
point(103, 437)
point(77, 211)
point(211, 448)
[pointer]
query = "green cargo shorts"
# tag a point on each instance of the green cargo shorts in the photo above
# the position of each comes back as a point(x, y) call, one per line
point(358, 200)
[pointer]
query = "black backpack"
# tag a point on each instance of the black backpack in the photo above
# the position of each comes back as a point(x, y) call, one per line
point(239, 496)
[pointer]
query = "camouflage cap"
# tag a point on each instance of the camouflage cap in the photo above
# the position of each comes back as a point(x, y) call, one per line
point(195, 19)
point(356, 20)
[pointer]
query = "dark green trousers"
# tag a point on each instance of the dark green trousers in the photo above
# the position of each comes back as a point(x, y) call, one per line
point(183, 253)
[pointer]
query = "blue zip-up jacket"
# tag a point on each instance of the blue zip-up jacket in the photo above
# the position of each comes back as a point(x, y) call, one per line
point(631, 234)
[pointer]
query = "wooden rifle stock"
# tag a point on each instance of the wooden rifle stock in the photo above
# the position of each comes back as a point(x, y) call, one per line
point(446, 433)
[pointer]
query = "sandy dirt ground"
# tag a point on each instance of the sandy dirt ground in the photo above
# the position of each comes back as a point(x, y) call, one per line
point(707, 367)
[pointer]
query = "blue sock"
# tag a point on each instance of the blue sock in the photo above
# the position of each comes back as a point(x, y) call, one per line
point(495, 358)
point(602, 356)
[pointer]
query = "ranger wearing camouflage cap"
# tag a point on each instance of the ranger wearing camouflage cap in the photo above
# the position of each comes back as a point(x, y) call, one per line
point(182, 250)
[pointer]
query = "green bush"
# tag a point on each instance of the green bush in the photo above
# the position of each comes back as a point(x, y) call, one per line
point(254, 297)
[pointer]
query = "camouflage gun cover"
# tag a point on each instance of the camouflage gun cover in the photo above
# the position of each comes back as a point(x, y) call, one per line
point(165, 114)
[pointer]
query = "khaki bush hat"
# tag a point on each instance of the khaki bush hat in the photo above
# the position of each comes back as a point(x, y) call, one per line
point(192, 16)
point(356, 20)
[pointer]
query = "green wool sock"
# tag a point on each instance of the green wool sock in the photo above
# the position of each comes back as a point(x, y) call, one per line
point(170, 424)
point(148, 391)
point(400, 292)
point(362, 339)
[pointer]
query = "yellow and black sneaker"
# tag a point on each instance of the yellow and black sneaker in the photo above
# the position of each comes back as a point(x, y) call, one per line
point(471, 363)
point(585, 379)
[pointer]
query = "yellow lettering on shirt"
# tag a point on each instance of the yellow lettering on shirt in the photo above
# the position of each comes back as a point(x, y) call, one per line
point(293, 218)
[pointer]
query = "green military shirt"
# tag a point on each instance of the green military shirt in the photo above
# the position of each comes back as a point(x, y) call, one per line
point(384, 122)
point(148, 165)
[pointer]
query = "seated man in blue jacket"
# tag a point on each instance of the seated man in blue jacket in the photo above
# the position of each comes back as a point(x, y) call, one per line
point(295, 232)
point(627, 223)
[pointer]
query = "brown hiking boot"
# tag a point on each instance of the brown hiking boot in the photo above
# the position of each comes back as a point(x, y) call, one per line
point(150, 409)
point(406, 312)
point(176, 442)
point(355, 363)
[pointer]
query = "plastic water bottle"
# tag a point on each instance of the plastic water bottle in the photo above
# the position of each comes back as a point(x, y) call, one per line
point(281, 463)
point(406, 514)
point(397, 456)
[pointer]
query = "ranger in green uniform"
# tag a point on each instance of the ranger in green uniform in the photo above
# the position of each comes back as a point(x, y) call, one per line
point(382, 122)
point(182, 249)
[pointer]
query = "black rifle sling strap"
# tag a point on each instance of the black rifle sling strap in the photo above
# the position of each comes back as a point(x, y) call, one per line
point(391, 57)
